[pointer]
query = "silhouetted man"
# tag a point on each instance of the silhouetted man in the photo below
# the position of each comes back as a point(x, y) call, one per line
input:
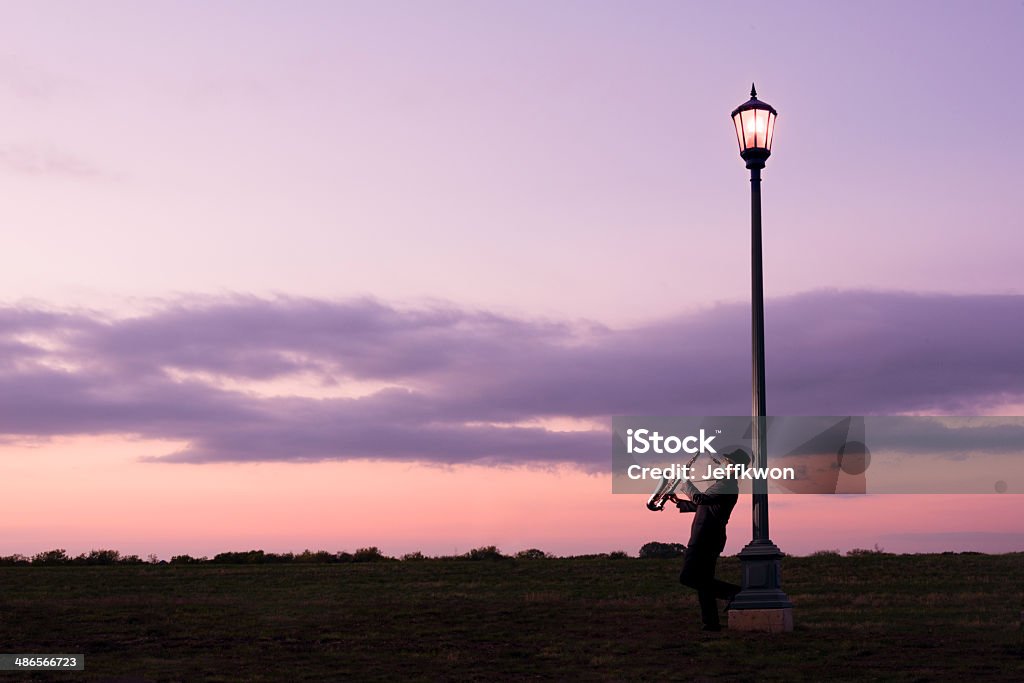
point(707, 538)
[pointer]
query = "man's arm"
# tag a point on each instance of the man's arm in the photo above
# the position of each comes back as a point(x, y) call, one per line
point(683, 505)
point(714, 494)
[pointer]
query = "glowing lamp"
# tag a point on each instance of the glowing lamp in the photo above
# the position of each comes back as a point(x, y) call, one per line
point(755, 123)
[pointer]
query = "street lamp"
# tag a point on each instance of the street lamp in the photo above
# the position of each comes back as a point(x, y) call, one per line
point(761, 605)
point(755, 125)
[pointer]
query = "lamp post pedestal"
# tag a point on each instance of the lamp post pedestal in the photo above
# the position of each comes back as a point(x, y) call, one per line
point(761, 563)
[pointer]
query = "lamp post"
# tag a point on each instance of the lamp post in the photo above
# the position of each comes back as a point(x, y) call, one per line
point(761, 605)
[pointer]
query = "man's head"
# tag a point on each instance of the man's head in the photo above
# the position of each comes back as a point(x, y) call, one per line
point(737, 457)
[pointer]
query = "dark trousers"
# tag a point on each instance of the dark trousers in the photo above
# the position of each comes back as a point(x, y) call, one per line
point(699, 573)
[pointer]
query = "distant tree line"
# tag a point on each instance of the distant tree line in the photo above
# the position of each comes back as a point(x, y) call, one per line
point(60, 556)
point(372, 554)
point(652, 550)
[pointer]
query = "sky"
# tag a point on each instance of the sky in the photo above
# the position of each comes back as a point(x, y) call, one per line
point(332, 275)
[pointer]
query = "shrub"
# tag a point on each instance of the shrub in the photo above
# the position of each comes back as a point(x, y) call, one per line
point(656, 550)
point(532, 554)
point(618, 555)
point(187, 559)
point(860, 552)
point(14, 560)
point(278, 558)
point(250, 557)
point(413, 557)
point(825, 553)
point(318, 557)
point(489, 552)
point(99, 557)
point(371, 554)
point(58, 556)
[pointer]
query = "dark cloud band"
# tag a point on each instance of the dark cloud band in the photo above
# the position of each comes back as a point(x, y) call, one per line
point(469, 386)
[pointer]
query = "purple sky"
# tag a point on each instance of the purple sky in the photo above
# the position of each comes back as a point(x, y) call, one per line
point(264, 231)
point(563, 159)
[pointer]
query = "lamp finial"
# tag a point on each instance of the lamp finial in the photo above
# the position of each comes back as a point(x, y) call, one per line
point(753, 90)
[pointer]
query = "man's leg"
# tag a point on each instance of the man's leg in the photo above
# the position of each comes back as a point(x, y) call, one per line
point(707, 597)
point(698, 572)
point(708, 609)
point(723, 590)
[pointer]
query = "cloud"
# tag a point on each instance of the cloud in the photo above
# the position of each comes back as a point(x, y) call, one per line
point(454, 385)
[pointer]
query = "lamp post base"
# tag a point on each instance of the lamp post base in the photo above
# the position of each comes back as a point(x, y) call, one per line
point(761, 564)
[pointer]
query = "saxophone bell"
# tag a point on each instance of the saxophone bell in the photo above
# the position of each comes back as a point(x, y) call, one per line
point(656, 503)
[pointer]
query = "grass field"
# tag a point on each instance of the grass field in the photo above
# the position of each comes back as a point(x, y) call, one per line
point(871, 617)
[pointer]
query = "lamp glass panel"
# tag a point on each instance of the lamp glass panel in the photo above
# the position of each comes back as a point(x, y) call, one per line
point(749, 128)
point(761, 129)
point(771, 130)
point(739, 130)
